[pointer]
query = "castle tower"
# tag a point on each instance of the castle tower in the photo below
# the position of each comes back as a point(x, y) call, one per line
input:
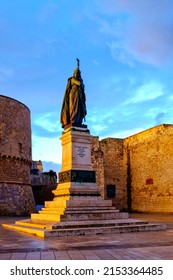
point(16, 197)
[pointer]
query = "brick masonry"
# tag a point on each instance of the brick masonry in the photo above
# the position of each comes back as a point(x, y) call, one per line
point(16, 197)
point(140, 167)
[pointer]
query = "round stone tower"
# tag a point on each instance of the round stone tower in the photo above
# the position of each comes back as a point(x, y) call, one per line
point(16, 197)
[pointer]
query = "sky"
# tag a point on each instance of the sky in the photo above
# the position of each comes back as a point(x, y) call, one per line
point(125, 49)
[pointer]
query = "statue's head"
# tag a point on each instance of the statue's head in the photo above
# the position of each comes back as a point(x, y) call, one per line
point(76, 73)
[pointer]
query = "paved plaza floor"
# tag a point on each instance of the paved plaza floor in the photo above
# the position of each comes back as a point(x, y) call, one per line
point(153, 245)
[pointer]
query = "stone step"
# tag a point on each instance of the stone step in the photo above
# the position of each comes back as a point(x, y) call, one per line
point(77, 216)
point(93, 216)
point(74, 224)
point(89, 208)
point(88, 202)
point(51, 211)
point(32, 230)
point(77, 211)
point(104, 230)
point(57, 203)
point(119, 228)
point(35, 224)
point(46, 217)
point(97, 223)
point(80, 202)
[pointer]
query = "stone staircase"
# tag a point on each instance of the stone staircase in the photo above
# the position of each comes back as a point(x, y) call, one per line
point(88, 220)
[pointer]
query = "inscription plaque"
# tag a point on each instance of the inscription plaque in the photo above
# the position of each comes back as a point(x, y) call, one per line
point(81, 151)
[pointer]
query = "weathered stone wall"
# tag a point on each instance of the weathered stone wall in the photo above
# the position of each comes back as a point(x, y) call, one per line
point(97, 163)
point(16, 197)
point(107, 158)
point(148, 157)
point(141, 168)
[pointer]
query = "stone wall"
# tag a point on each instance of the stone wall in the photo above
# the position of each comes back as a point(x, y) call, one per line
point(107, 159)
point(97, 163)
point(140, 167)
point(16, 197)
point(149, 158)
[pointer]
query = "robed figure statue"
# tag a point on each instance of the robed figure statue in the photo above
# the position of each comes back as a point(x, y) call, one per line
point(74, 103)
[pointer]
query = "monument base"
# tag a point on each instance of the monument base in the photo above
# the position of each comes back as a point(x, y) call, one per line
point(80, 210)
point(81, 216)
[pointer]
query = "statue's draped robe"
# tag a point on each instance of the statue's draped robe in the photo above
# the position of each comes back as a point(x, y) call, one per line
point(73, 106)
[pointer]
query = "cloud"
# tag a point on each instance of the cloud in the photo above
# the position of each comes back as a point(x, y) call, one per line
point(100, 118)
point(160, 113)
point(119, 53)
point(96, 63)
point(47, 122)
point(124, 133)
point(146, 92)
point(151, 43)
point(42, 132)
point(98, 127)
point(5, 73)
point(45, 137)
point(100, 115)
point(148, 34)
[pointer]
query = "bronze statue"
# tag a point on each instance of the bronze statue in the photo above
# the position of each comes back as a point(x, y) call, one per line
point(74, 103)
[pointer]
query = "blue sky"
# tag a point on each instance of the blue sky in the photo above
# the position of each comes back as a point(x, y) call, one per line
point(125, 49)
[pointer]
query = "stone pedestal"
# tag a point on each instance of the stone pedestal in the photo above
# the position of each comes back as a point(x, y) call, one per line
point(77, 179)
point(76, 149)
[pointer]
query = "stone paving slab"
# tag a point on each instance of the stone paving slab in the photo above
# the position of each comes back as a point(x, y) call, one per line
point(90, 255)
point(62, 255)
point(18, 256)
point(76, 255)
point(33, 256)
point(160, 253)
point(49, 255)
